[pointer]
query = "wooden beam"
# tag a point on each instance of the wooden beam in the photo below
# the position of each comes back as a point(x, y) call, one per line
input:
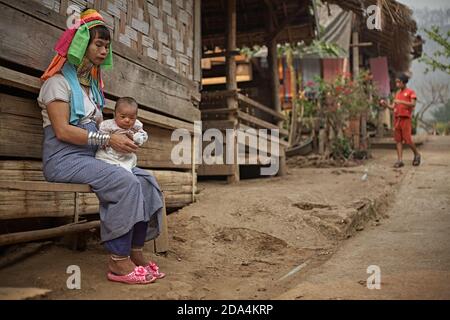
point(287, 21)
point(217, 170)
point(272, 13)
point(20, 237)
point(221, 54)
point(44, 186)
point(260, 123)
point(271, 138)
point(33, 84)
point(219, 111)
point(259, 106)
point(362, 44)
point(219, 94)
point(19, 80)
point(218, 124)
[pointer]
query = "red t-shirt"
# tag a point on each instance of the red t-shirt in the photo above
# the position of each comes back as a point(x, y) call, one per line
point(401, 110)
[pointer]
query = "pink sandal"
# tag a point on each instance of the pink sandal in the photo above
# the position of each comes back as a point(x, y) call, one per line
point(153, 269)
point(137, 276)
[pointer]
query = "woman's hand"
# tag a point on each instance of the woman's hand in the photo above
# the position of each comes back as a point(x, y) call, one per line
point(121, 143)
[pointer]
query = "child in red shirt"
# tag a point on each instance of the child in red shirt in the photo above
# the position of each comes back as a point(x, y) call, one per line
point(403, 106)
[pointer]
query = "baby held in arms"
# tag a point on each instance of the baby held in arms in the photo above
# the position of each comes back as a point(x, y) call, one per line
point(124, 122)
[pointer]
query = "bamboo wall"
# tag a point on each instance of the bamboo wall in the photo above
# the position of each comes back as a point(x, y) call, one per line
point(160, 29)
point(154, 62)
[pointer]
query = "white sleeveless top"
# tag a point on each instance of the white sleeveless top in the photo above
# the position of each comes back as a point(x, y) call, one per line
point(57, 88)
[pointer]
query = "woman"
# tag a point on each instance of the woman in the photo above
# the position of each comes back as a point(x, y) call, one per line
point(71, 99)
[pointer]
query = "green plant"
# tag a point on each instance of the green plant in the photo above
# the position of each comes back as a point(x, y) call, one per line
point(344, 97)
point(414, 125)
point(341, 149)
point(443, 128)
point(439, 59)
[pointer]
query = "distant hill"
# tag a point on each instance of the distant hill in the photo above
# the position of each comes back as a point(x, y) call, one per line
point(425, 19)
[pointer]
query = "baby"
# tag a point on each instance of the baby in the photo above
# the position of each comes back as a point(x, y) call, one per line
point(125, 122)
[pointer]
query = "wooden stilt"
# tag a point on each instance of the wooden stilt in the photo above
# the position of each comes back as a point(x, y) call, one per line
point(20, 237)
point(162, 241)
point(232, 102)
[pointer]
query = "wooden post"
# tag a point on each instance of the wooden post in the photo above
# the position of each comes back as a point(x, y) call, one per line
point(162, 241)
point(273, 63)
point(274, 78)
point(355, 42)
point(194, 174)
point(230, 62)
point(293, 129)
point(197, 41)
point(76, 218)
point(322, 141)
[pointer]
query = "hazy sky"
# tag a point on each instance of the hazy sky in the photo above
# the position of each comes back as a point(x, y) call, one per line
point(432, 4)
point(419, 79)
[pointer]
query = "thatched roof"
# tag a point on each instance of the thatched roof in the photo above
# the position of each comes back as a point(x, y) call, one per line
point(396, 36)
point(294, 18)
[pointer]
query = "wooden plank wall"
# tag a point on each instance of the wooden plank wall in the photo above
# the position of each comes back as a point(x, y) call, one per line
point(155, 85)
point(21, 135)
point(160, 29)
point(153, 47)
point(177, 188)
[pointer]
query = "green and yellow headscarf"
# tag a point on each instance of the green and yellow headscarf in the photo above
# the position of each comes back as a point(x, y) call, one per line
point(71, 48)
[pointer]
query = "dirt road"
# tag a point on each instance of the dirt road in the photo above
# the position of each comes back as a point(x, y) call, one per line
point(412, 250)
point(270, 238)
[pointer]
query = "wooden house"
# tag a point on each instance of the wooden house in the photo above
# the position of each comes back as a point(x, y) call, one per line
point(238, 105)
point(156, 46)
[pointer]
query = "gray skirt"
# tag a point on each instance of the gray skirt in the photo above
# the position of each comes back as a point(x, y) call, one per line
point(125, 197)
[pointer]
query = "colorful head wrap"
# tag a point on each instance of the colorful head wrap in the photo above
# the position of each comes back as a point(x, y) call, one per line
point(71, 48)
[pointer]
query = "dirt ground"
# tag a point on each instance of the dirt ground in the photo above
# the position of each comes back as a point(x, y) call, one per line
point(411, 250)
point(237, 241)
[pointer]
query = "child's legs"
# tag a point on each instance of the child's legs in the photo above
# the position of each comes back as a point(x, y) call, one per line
point(399, 147)
point(398, 137)
point(406, 126)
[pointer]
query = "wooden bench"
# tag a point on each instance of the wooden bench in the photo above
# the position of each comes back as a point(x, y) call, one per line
point(160, 244)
